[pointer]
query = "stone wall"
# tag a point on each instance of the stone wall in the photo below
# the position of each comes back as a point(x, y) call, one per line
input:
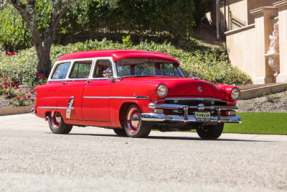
point(241, 48)
point(258, 49)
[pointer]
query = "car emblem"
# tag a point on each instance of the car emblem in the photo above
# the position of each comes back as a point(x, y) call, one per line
point(200, 89)
point(201, 107)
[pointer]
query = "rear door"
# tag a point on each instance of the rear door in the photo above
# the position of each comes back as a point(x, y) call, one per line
point(72, 87)
point(96, 96)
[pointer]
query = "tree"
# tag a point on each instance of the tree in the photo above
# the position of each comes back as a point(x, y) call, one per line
point(56, 9)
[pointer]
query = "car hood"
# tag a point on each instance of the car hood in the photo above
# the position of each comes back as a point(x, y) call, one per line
point(180, 86)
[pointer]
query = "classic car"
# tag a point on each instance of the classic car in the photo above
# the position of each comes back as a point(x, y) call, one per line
point(132, 92)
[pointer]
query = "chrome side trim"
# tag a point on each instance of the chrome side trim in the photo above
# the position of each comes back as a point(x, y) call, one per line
point(154, 117)
point(56, 108)
point(193, 99)
point(123, 97)
point(138, 97)
point(175, 106)
point(90, 97)
point(69, 109)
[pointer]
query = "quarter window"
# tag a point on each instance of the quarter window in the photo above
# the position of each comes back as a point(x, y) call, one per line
point(61, 71)
point(81, 69)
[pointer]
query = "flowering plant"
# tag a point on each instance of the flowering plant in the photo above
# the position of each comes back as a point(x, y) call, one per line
point(22, 101)
point(8, 87)
point(42, 79)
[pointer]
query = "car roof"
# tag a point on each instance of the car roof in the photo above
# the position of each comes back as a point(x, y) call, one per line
point(118, 55)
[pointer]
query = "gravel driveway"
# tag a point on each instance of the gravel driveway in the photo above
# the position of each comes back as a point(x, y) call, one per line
point(90, 159)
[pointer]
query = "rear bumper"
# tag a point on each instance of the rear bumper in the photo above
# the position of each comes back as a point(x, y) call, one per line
point(155, 117)
point(33, 111)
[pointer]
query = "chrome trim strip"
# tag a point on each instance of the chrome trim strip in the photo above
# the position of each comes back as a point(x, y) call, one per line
point(138, 97)
point(89, 97)
point(123, 97)
point(154, 117)
point(56, 108)
point(193, 99)
point(176, 106)
point(69, 109)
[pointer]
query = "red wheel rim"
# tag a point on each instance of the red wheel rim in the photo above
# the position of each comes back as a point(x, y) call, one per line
point(56, 120)
point(133, 120)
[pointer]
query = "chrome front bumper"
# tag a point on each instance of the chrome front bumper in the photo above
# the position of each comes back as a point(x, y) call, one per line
point(158, 117)
point(190, 119)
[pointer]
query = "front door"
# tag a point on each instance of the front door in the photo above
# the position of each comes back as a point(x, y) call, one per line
point(96, 96)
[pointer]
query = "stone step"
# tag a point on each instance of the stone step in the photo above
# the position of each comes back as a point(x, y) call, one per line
point(253, 91)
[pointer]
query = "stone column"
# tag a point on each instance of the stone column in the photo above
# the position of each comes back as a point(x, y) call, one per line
point(263, 28)
point(282, 12)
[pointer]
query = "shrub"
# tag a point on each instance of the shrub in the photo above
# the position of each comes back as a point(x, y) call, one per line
point(208, 64)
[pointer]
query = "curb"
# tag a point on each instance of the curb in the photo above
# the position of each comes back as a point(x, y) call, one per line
point(15, 110)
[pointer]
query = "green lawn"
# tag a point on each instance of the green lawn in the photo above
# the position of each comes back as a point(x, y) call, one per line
point(259, 123)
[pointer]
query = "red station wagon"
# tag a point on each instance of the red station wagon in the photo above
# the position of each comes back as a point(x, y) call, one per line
point(132, 92)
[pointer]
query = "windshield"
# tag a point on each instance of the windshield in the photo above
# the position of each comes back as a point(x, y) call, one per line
point(147, 67)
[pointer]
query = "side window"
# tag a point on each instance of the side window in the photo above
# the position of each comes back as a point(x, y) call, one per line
point(101, 66)
point(81, 69)
point(61, 71)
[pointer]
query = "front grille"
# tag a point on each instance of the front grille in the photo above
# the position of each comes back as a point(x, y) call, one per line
point(195, 103)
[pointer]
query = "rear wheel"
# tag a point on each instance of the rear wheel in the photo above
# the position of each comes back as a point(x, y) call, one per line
point(210, 132)
point(57, 124)
point(120, 132)
point(134, 126)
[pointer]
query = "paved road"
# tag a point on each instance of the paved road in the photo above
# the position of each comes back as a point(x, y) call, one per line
point(89, 159)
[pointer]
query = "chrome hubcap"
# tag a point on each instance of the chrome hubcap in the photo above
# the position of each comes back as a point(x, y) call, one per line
point(55, 120)
point(133, 120)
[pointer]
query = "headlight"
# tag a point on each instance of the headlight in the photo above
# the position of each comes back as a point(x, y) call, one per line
point(162, 90)
point(235, 94)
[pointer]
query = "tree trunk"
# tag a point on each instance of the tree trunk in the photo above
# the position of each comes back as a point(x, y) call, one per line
point(44, 65)
point(42, 51)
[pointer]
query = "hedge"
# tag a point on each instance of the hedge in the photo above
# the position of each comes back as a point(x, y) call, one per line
point(208, 64)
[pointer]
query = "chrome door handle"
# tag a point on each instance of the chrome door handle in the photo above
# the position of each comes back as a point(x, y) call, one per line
point(90, 81)
point(64, 83)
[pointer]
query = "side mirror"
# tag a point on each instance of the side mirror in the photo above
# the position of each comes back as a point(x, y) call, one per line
point(192, 75)
point(107, 73)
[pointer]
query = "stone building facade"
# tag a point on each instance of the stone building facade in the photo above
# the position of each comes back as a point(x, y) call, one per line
point(256, 36)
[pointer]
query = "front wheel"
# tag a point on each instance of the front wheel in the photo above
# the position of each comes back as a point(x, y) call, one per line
point(57, 124)
point(210, 132)
point(134, 126)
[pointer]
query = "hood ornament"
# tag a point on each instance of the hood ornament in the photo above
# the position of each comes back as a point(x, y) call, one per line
point(200, 89)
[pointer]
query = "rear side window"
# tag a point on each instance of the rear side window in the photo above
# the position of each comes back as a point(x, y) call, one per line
point(61, 71)
point(81, 69)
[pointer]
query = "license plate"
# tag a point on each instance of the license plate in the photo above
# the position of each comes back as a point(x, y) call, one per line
point(202, 116)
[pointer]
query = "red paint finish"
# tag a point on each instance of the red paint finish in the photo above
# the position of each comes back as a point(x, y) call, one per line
point(107, 97)
point(118, 55)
